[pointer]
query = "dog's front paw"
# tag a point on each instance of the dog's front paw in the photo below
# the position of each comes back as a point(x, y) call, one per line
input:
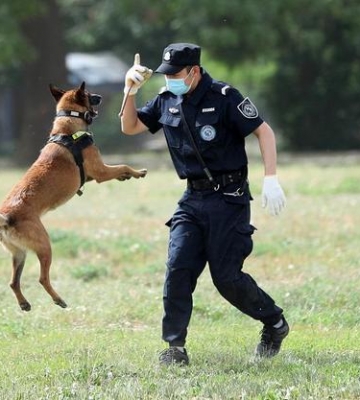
point(142, 173)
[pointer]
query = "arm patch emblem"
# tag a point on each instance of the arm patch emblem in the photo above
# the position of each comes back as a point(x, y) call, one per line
point(248, 109)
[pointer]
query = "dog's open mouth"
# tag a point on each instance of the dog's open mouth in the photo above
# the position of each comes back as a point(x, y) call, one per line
point(95, 100)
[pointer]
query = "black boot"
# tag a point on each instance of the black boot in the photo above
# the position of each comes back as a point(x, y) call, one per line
point(271, 339)
point(173, 355)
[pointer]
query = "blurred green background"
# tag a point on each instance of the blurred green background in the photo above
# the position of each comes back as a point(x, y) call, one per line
point(298, 60)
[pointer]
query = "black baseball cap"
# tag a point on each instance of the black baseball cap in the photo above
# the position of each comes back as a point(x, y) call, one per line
point(177, 56)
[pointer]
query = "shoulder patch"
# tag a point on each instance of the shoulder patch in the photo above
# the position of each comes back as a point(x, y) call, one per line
point(220, 87)
point(248, 109)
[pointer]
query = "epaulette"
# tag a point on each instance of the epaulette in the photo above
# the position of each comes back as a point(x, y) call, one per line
point(162, 90)
point(220, 87)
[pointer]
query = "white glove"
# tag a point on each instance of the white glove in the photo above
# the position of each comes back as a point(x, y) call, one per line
point(136, 76)
point(273, 196)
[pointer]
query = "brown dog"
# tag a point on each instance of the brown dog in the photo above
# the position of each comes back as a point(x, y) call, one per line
point(67, 161)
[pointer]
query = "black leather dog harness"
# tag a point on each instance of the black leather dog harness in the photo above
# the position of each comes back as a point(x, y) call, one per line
point(75, 144)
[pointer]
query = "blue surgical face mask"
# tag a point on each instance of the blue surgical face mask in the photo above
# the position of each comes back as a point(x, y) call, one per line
point(178, 86)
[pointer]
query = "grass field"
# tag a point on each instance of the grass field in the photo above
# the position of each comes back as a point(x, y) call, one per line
point(109, 251)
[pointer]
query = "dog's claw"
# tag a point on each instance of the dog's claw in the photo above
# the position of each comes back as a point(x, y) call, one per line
point(60, 303)
point(25, 306)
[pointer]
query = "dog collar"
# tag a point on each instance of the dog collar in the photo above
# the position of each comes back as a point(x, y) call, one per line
point(87, 116)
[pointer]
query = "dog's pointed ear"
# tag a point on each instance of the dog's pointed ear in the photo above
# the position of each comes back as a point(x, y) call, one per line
point(80, 93)
point(56, 92)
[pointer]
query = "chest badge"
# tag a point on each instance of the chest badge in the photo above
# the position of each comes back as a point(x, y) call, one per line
point(208, 133)
point(173, 110)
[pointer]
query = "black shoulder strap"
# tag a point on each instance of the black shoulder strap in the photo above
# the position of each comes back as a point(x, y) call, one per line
point(197, 152)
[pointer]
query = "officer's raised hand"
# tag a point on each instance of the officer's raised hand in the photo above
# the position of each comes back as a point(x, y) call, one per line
point(136, 76)
point(273, 196)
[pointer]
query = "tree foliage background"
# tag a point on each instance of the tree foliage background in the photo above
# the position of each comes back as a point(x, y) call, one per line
point(298, 59)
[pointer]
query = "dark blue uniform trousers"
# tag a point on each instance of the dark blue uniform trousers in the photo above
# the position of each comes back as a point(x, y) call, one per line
point(211, 227)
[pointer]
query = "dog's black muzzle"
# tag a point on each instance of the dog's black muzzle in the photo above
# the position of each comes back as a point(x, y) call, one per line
point(95, 99)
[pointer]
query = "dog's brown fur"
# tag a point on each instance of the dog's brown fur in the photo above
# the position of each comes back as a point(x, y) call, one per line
point(51, 181)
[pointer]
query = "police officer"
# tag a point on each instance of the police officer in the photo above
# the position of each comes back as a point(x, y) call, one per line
point(205, 123)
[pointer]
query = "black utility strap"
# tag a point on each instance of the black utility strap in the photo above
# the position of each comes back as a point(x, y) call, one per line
point(197, 152)
point(75, 144)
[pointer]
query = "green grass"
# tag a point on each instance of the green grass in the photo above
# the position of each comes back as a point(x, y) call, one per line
point(109, 252)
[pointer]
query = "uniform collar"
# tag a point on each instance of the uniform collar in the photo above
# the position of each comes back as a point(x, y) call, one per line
point(202, 87)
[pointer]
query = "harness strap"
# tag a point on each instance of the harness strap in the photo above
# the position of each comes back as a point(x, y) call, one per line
point(75, 144)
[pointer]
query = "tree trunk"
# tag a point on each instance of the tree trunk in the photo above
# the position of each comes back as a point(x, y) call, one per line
point(34, 105)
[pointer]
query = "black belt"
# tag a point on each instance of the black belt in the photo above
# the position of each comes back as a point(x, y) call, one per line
point(221, 180)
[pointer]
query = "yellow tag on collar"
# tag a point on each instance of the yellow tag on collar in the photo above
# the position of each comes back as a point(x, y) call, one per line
point(78, 134)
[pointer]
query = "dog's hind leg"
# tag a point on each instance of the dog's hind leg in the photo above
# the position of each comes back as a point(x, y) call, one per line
point(18, 259)
point(45, 262)
point(38, 241)
point(44, 254)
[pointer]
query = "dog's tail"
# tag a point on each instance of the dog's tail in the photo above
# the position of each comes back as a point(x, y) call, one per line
point(4, 220)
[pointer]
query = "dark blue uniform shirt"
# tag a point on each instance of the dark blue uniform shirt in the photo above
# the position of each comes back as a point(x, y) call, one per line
point(220, 119)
